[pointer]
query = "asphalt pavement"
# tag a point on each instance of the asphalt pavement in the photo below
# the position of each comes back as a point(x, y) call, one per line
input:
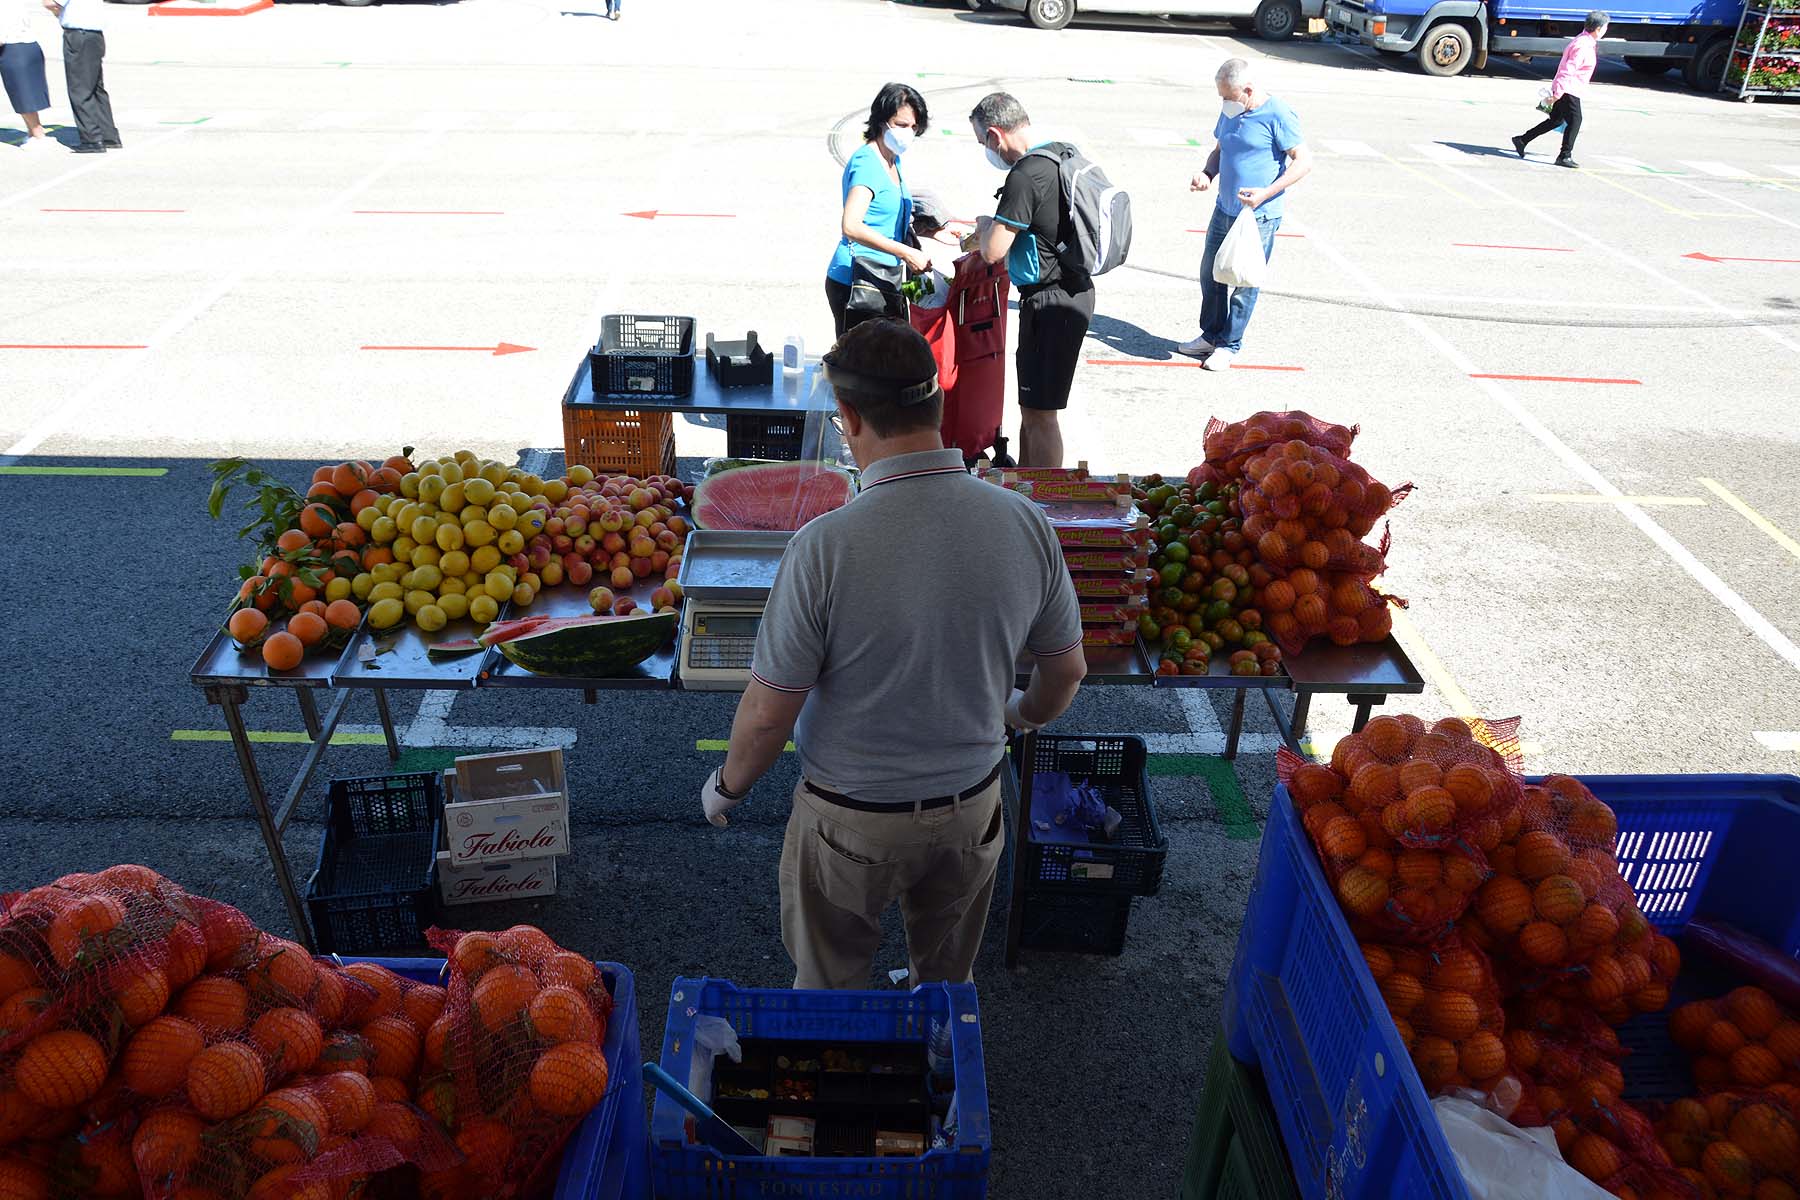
point(1600, 427)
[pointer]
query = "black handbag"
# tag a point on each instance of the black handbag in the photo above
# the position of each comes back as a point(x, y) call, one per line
point(874, 291)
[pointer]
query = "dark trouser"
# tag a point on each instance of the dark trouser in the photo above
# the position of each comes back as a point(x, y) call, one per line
point(1567, 112)
point(1053, 325)
point(83, 52)
point(837, 295)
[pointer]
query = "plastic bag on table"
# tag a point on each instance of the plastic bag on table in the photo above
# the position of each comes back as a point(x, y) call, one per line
point(1500, 1161)
point(1064, 810)
point(1240, 262)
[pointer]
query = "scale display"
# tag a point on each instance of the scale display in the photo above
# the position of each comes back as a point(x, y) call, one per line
point(716, 647)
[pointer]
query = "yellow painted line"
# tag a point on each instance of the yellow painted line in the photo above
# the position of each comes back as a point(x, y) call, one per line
point(1432, 665)
point(1668, 208)
point(715, 744)
point(1751, 515)
point(129, 472)
point(220, 735)
point(1591, 498)
point(1434, 181)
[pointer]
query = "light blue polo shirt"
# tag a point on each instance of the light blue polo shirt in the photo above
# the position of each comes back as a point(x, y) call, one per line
point(1253, 150)
point(890, 209)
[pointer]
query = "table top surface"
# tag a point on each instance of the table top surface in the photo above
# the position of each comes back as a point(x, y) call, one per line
point(398, 658)
point(497, 670)
point(223, 663)
point(1374, 667)
point(785, 394)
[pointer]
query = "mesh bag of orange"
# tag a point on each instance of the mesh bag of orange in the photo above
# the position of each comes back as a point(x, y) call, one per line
point(1303, 604)
point(1445, 1004)
point(1743, 1039)
point(1402, 817)
point(1307, 507)
point(1616, 1146)
point(1229, 446)
point(1742, 1143)
point(515, 1061)
point(1566, 1057)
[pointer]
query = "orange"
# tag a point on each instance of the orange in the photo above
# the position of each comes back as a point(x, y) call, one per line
point(390, 1087)
point(1592, 823)
point(1386, 737)
point(107, 1167)
point(1596, 926)
point(1540, 854)
point(16, 974)
point(1343, 839)
point(83, 922)
point(1754, 1011)
point(1522, 1048)
point(343, 614)
point(1595, 1157)
point(1723, 1039)
point(318, 520)
point(1605, 982)
point(1775, 1189)
point(1482, 1056)
point(283, 973)
point(385, 985)
point(1375, 785)
point(396, 1046)
point(1558, 899)
point(224, 1080)
point(1728, 1168)
point(1319, 816)
point(350, 478)
point(346, 1051)
point(186, 943)
point(1434, 1057)
point(309, 627)
point(393, 1122)
point(1454, 1015)
point(488, 1144)
point(331, 996)
point(21, 1179)
point(155, 1061)
point(283, 651)
point(1419, 773)
point(503, 994)
point(289, 1038)
point(1430, 812)
point(246, 625)
point(528, 945)
point(349, 1100)
point(1784, 1043)
point(214, 1002)
point(1689, 1023)
point(1665, 957)
point(1768, 1135)
point(1362, 891)
point(560, 1014)
point(1687, 1116)
point(287, 1126)
point(1504, 905)
point(142, 995)
point(292, 539)
point(60, 1069)
point(166, 1144)
point(19, 1010)
point(1314, 783)
point(422, 1003)
point(280, 1184)
point(1402, 991)
point(1378, 960)
point(1543, 943)
point(1753, 1066)
point(569, 1079)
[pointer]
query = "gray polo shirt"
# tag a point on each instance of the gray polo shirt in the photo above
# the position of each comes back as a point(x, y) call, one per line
point(903, 615)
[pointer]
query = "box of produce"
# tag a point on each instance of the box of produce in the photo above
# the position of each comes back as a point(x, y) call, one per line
point(1109, 635)
point(1090, 559)
point(1112, 586)
point(1111, 612)
point(510, 774)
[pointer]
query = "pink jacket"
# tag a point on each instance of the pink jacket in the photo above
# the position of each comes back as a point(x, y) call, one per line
point(1579, 58)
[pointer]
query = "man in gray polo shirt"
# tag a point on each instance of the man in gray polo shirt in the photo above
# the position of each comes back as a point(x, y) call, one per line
point(888, 650)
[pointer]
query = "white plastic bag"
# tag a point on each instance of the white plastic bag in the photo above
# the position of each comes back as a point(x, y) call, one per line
point(1240, 262)
point(938, 294)
point(1500, 1161)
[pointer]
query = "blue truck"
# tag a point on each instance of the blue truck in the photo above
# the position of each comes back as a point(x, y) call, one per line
point(1447, 36)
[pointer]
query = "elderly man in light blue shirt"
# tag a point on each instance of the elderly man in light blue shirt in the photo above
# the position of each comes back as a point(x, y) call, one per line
point(84, 52)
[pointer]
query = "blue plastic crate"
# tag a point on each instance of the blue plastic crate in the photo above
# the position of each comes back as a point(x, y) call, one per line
point(680, 1171)
point(605, 1158)
point(1301, 1004)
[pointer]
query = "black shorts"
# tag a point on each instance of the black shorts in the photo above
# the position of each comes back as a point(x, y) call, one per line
point(1053, 326)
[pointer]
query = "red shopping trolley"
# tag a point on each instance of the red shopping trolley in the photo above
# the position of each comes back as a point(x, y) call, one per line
point(968, 339)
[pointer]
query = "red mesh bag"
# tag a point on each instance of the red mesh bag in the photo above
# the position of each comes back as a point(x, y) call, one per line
point(1229, 446)
point(1618, 1149)
point(1739, 1142)
point(1305, 507)
point(1303, 604)
point(515, 1061)
point(1445, 1003)
point(1744, 1039)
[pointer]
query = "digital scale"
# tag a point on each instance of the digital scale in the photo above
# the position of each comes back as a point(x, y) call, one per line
point(725, 579)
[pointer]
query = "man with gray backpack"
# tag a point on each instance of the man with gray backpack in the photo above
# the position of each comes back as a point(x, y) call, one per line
point(1059, 223)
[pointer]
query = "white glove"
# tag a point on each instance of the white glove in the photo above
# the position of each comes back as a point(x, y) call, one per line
point(714, 800)
point(1016, 719)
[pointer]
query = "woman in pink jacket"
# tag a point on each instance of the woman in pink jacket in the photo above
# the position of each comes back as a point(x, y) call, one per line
point(1572, 76)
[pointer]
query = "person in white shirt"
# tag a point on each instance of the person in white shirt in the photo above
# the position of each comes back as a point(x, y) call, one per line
point(22, 69)
point(84, 53)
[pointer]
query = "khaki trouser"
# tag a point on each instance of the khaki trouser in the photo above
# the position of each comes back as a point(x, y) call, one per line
point(841, 868)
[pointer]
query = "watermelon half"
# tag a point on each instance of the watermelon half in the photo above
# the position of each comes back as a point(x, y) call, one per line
point(770, 496)
point(581, 647)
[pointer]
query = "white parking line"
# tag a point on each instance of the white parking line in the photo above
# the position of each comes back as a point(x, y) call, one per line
point(1718, 169)
point(1781, 741)
point(1628, 164)
point(1794, 171)
point(93, 163)
point(546, 119)
point(1440, 152)
point(1767, 216)
point(1156, 137)
point(445, 120)
point(1351, 149)
point(244, 118)
point(337, 119)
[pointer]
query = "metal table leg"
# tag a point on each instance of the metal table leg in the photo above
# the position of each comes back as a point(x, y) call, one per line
point(1283, 724)
point(1363, 704)
point(309, 712)
point(387, 724)
point(1302, 706)
point(229, 697)
point(1015, 913)
point(1237, 723)
point(310, 762)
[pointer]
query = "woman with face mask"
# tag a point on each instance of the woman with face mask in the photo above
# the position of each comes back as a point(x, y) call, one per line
point(877, 203)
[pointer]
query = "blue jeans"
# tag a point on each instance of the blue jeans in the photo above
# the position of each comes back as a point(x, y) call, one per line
point(1224, 312)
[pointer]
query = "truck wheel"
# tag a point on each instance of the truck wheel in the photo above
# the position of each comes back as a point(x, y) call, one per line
point(1705, 72)
point(1277, 19)
point(1050, 14)
point(1446, 49)
point(1653, 67)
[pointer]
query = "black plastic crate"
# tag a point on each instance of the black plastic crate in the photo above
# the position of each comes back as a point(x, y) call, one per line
point(1132, 862)
point(765, 435)
point(375, 890)
point(1073, 922)
point(644, 356)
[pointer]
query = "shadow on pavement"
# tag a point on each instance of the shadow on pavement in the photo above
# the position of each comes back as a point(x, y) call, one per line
point(1131, 339)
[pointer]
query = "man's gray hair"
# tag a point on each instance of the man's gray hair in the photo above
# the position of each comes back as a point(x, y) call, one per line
point(1234, 72)
point(1596, 21)
point(999, 110)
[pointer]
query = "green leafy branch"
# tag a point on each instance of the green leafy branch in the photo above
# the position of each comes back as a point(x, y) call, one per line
point(273, 505)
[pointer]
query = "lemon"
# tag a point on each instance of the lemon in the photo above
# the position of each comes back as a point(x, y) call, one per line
point(450, 536)
point(429, 470)
point(409, 484)
point(383, 530)
point(499, 586)
point(533, 486)
point(501, 516)
point(426, 556)
point(431, 487)
point(431, 618)
point(554, 491)
point(518, 501)
point(523, 596)
point(386, 590)
point(531, 521)
point(497, 473)
point(510, 542)
point(478, 533)
point(454, 563)
point(418, 598)
point(385, 614)
point(365, 520)
point(427, 578)
point(471, 581)
point(452, 472)
point(479, 490)
point(384, 503)
point(337, 589)
point(407, 513)
point(580, 474)
point(406, 581)
point(472, 513)
point(422, 529)
point(454, 498)
point(386, 572)
point(452, 586)
point(359, 587)
point(454, 604)
point(483, 608)
point(403, 548)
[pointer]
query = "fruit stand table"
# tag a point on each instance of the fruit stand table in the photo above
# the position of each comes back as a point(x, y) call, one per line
point(784, 418)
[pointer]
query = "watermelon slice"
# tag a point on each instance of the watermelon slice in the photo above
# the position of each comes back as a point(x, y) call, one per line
point(770, 496)
point(581, 647)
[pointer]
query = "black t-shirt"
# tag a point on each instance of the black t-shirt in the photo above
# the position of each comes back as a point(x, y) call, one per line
point(1031, 202)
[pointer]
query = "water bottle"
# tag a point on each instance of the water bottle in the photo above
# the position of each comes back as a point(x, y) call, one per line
point(793, 355)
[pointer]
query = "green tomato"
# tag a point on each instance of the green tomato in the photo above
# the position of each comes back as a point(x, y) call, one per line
point(1224, 589)
point(1172, 595)
point(1206, 491)
point(1218, 610)
point(1176, 552)
point(1167, 532)
point(1172, 573)
point(1148, 629)
point(1182, 515)
point(1218, 508)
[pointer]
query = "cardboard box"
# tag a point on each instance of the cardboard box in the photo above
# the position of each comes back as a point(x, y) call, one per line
point(513, 773)
point(482, 832)
point(518, 879)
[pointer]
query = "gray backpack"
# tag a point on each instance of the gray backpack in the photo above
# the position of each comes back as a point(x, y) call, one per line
point(1099, 213)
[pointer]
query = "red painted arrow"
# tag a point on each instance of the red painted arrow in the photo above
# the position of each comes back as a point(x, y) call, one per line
point(31, 346)
point(1704, 257)
point(650, 214)
point(496, 350)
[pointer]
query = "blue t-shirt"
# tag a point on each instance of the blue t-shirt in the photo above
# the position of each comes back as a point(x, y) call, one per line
point(1253, 150)
point(890, 209)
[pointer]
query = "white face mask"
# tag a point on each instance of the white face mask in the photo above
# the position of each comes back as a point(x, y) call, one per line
point(995, 161)
point(897, 139)
point(1233, 108)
